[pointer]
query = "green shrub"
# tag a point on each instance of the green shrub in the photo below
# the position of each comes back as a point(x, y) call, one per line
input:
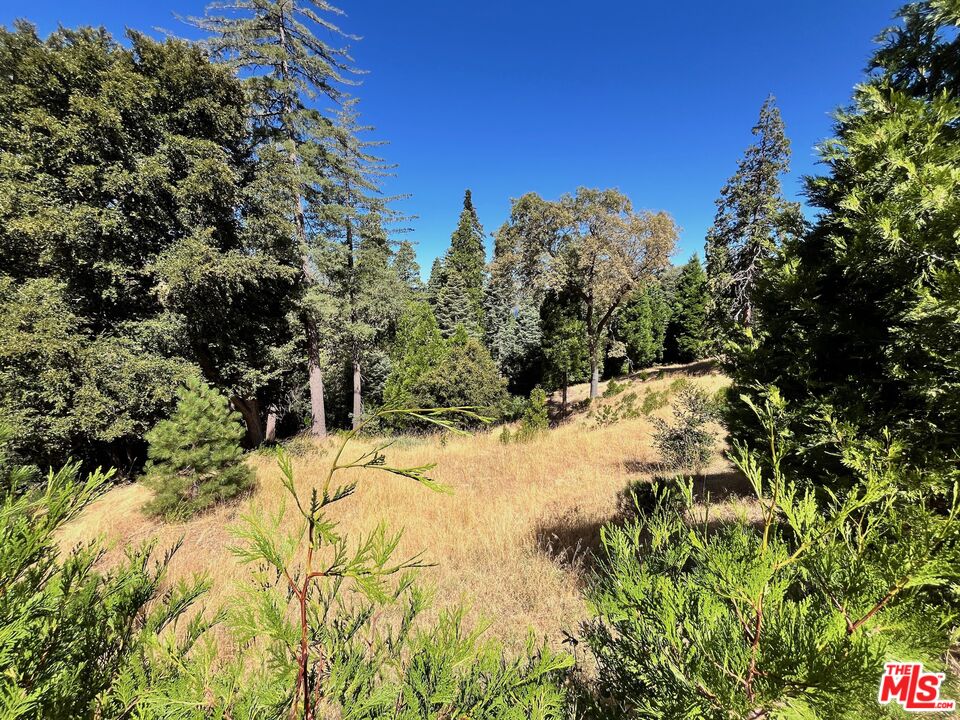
point(431, 371)
point(791, 617)
point(687, 442)
point(535, 419)
point(614, 388)
point(70, 636)
point(654, 400)
point(195, 458)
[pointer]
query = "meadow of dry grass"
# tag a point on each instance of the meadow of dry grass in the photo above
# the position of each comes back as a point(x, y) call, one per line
point(512, 541)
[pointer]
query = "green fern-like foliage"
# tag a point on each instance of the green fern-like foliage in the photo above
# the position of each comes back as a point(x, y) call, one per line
point(789, 616)
point(71, 635)
point(195, 458)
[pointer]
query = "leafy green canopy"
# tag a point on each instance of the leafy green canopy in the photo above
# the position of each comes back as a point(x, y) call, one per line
point(128, 203)
point(195, 459)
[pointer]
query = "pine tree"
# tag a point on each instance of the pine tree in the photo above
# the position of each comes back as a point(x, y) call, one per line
point(688, 334)
point(642, 325)
point(276, 47)
point(752, 221)
point(512, 314)
point(430, 371)
point(195, 458)
point(467, 256)
point(406, 267)
point(354, 220)
point(454, 307)
point(438, 277)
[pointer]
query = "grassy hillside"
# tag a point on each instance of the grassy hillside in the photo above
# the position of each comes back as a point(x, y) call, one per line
point(513, 539)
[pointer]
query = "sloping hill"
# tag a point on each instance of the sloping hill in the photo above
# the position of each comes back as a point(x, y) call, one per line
point(512, 540)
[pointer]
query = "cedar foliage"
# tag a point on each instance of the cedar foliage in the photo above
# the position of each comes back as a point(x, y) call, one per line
point(70, 634)
point(860, 328)
point(195, 459)
point(793, 617)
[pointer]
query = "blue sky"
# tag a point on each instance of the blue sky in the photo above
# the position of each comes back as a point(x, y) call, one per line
point(511, 96)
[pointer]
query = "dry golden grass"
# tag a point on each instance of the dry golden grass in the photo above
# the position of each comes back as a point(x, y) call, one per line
point(509, 542)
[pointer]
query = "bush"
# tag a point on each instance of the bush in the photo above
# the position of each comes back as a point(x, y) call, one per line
point(429, 371)
point(535, 419)
point(195, 459)
point(71, 637)
point(687, 442)
point(614, 388)
point(791, 617)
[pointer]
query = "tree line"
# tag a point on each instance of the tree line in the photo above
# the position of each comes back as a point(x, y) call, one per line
point(174, 210)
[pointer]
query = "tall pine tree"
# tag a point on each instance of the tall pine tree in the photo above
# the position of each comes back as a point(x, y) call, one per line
point(277, 47)
point(752, 221)
point(467, 256)
point(688, 334)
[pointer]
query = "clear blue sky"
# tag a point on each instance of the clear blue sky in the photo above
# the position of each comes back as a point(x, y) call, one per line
point(509, 96)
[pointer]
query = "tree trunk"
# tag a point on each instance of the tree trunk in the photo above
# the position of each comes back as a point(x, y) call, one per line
point(594, 378)
point(271, 434)
point(563, 397)
point(357, 398)
point(318, 417)
point(250, 411)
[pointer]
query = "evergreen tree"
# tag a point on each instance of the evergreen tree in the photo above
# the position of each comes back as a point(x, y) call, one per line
point(467, 257)
point(429, 371)
point(454, 308)
point(791, 615)
point(688, 334)
point(860, 318)
point(565, 350)
point(751, 223)
point(406, 267)
point(195, 459)
point(276, 46)
point(437, 279)
point(353, 220)
point(188, 273)
point(642, 325)
point(418, 347)
point(512, 315)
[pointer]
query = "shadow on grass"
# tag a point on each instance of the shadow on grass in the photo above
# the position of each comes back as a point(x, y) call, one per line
point(574, 542)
